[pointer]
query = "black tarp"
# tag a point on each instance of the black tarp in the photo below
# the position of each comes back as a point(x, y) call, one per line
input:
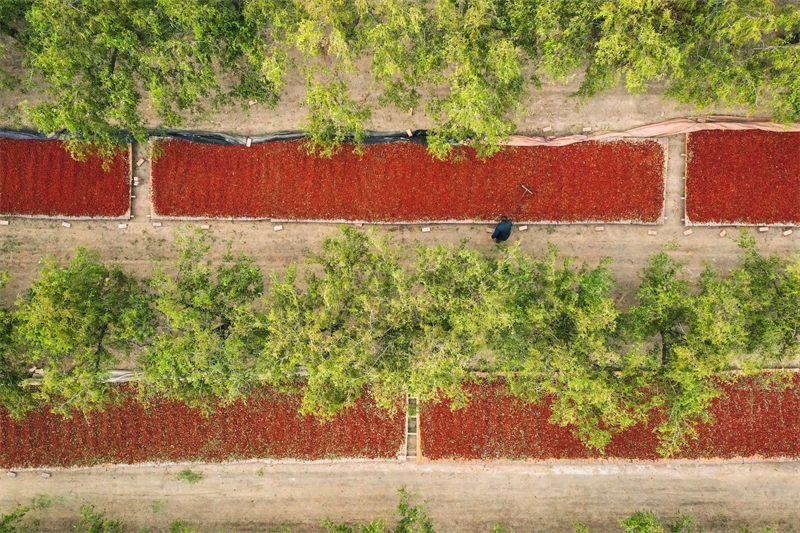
point(227, 139)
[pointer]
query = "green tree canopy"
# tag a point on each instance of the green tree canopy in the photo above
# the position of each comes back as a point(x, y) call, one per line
point(347, 324)
point(106, 66)
point(561, 343)
point(76, 321)
point(204, 351)
point(695, 337)
point(103, 61)
point(770, 294)
point(14, 396)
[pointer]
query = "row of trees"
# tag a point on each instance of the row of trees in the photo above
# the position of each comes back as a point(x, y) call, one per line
point(363, 316)
point(409, 518)
point(469, 64)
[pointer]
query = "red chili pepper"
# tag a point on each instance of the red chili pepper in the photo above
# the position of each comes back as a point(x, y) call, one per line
point(751, 177)
point(41, 178)
point(609, 181)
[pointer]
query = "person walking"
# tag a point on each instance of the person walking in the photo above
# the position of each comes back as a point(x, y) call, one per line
point(503, 230)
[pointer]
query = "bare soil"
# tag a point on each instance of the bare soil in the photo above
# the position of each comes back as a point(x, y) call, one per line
point(468, 497)
point(552, 106)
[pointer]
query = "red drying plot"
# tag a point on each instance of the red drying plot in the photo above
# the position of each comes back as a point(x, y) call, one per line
point(41, 178)
point(265, 427)
point(749, 422)
point(591, 181)
point(749, 177)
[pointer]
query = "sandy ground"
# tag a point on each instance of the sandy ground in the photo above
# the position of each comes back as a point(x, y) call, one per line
point(551, 106)
point(463, 497)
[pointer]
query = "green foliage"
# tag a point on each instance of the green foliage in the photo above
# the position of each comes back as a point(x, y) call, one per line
point(770, 292)
point(9, 522)
point(12, 16)
point(648, 522)
point(364, 316)
point(484, 77)
point(189, 476)
point(740, 52)
point(639, 40)
point(14, 396)
point(698, 336)
point(94, 522)
point(359, 319)
point(560, 344)
point(101, 59)
point(347, 324)
point(75, 321)
point(642, 522)
point(204, 349)
point(410, 519)
point(684, 524)
point(179, 526)
point(333, 117)
point(468, 63)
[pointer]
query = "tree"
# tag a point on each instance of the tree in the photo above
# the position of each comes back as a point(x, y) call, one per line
point(208, 337)
point(346, 326)
point(467, 63)
point(98, 58)
point(333, 117)
point(561, 343)
point(462, 306)
point(76, 321)
point(15, 397)
point(359, 319)
point(639, 40)
point(697, 337)
point(328, 36)
point(770, 291)
point(740, 52)
point(484, 77)
point(12, 17)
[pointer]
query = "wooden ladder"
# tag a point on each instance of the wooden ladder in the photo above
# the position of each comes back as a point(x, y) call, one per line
point(411, 449)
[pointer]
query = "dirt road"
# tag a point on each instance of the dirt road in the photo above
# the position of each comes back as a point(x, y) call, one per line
point(463, 497)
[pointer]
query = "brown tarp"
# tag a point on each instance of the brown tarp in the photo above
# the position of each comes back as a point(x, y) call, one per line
point(660, 129)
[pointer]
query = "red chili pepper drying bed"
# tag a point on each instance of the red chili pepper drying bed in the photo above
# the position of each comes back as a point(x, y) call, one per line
point(618, 181)
point(265, 427)
point(749, 422)
point(745, 177)
point(41, 179)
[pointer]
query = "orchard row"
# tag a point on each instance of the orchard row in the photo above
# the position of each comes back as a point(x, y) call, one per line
point(369, 315)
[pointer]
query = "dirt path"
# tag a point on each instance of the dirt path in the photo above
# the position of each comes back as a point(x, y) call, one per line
point(552, 106)
point(463, 497)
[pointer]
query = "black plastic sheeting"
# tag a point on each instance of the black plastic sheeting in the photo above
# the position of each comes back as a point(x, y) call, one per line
point(26, 134)
point(207, 137)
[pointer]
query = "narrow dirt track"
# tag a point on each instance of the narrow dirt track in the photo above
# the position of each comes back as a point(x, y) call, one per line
point(463, 497)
